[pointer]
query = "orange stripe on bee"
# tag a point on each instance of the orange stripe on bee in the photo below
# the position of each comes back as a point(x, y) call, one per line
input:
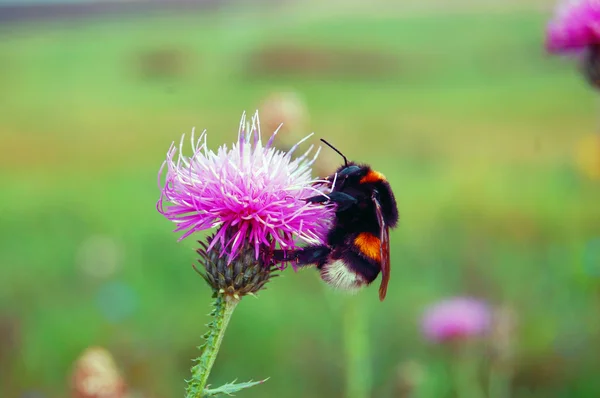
point(372, 176)
point(369, 245)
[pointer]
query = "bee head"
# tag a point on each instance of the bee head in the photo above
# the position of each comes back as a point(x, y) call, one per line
point(350, 173)
point(348, 170)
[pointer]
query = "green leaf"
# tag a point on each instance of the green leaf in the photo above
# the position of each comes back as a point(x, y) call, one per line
point(230, 388)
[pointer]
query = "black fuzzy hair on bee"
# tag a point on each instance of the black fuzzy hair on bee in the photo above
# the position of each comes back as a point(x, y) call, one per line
point(357, 247)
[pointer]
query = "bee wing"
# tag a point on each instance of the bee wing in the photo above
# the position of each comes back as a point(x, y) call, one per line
point(384, 236)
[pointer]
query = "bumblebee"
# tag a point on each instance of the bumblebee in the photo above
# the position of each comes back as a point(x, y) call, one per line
point(357, 246)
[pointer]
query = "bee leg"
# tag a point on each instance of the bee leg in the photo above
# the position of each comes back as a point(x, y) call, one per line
point(317, 199)
point(306, 256)
point(281, 256)
point(343, 200)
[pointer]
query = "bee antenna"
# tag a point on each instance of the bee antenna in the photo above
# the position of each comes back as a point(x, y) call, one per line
point(335, 149)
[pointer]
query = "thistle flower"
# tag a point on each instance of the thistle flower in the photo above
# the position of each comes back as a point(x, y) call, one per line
point(255, 194)
point(456, 318)
point(576, 28)
point(246, 275)
point(250, 191)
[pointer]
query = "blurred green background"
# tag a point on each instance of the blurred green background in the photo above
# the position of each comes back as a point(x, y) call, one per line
point(486, 140)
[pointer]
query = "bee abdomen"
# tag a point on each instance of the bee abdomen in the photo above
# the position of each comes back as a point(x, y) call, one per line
point(339, 275)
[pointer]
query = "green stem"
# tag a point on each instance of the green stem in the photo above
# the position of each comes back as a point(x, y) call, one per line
point(466, 382)
point(224, 306)
point(358, 371)
point(499, 383)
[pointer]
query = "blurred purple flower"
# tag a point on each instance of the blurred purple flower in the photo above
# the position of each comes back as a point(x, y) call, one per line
point(456, 318)
point(576, 26)
point(253, 192)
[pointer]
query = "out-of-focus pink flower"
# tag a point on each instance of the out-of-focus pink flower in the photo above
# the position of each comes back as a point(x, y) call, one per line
point(285, 108)
point(456, 318)
point(253, 192)
point(96, 376)
point(575, 26)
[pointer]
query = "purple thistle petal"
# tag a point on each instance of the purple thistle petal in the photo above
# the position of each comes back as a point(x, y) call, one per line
point(253, 191)
point(270, 142)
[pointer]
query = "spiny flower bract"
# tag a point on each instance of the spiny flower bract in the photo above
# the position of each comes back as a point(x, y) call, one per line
point(253, 192)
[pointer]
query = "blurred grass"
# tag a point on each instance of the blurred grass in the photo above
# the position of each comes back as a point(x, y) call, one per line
point(475, 130)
